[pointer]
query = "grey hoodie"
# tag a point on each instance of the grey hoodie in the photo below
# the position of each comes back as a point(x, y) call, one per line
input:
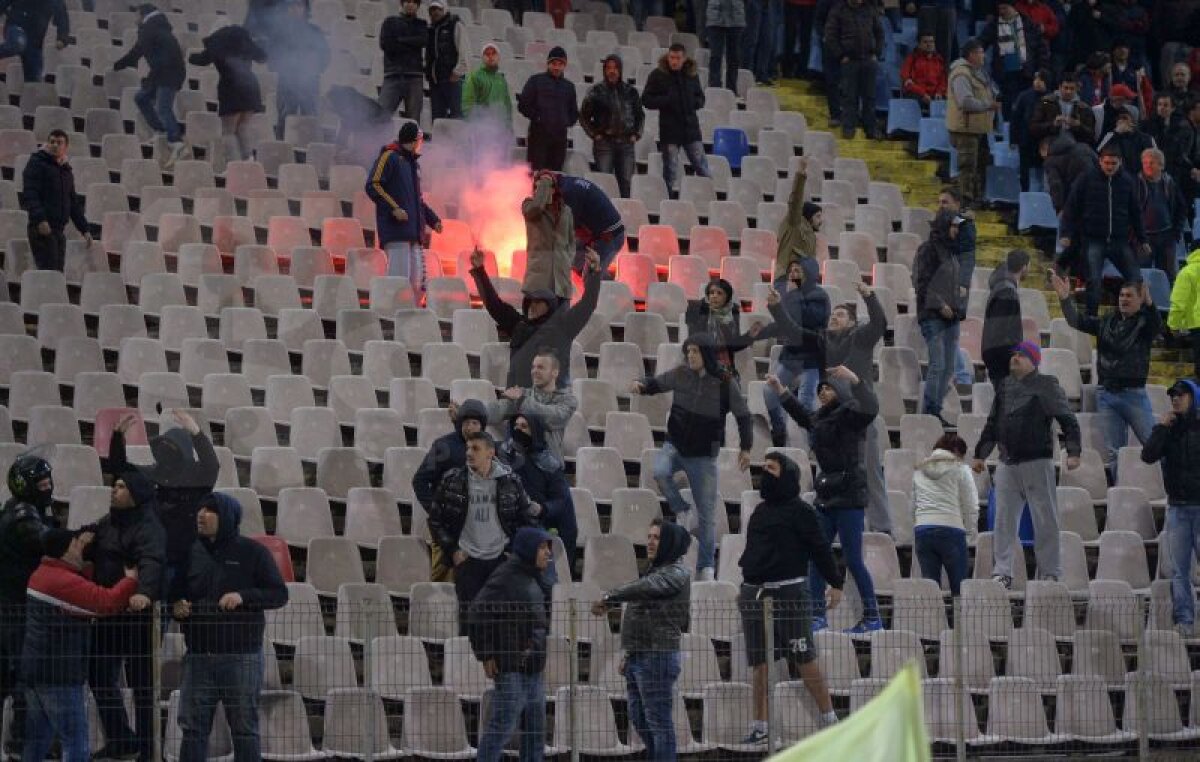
point(482, 534)
point(554, 408)
point(944, 494)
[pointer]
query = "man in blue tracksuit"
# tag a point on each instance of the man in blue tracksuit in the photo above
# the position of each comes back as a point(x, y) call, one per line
point(597, 222)
point(401, 214)
point(25, 25)
point(803, 356)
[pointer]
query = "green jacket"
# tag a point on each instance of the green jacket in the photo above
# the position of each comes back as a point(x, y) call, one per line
point(795, 235)
point(487, 89)
point(1185, 297)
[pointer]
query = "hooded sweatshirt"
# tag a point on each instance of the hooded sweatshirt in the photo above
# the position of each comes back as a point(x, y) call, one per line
point(944, 494)
point(936, 271)
point(132, 537)
point(508, 621)
point(612, 111)
point(539, 469)
point(808, 307)
point(1178, 447)
point(783, 535)
point(227, 563)
point(837, 433)
point(554, 408)
point(658, 600)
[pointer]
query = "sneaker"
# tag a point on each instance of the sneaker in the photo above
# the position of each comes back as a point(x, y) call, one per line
point(819, 623)
point(755, 737)
point(865, 626)
point(1049, 578)
point(1186, 631)
point(179, 150)
point(705, 575)
point(945, 424)
point(1005, 582)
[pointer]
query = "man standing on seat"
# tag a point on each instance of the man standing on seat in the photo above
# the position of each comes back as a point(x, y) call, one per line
point(445, 61)
point(1124, 339)
point(476, 511)
point(613, 118)
point(655, 618)
point(939, 307)
point(403, 40)
point(48, 196)
point(803, 356)
point(548, 102)
point(507, 624)
point(673, 89)
point(703, 397)
point(783, 537)
point(1021, 422)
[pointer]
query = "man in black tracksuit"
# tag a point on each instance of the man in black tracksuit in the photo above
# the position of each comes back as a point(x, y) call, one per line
point(219, 602)
point(783, 537)
point(403, 39)
point(48, 196)
point(129, 536)
point(1102, 214)
point(25, 25)
point(548, 102)
point(1176, 442)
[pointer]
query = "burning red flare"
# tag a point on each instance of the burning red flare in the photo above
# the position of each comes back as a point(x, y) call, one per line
point(492, 210)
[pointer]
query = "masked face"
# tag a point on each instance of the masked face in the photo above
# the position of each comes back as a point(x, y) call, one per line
point(522, 434)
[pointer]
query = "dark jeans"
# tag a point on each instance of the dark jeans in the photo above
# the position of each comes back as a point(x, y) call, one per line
point(446, 100)
point(17, 43)
point(157, 105)
point(233, 680)
point(847, 525)
point(831, 66)
point(12, 640)
point(123, 640)
point(56, 711)
point(650, 679)
point(563, 521)
point(1163, 253)
point(858, 94)
point(758, 39)
point(608, 248)
point(941, 338)
point(470, 575)
point(403, 88)
point(1118, 252)
point(942, 24)
point(1194, 334)
point(516, 698)
point(1012, 84)
point(724, 43)
point(546, 151)
point(616, 157)
point(49, 251)
point(294, 99)
point(797, 33)
point(941, 548)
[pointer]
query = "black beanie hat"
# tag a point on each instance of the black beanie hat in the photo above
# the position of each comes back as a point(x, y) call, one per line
point(56, 541)
point(557, 53)
point(809, 210)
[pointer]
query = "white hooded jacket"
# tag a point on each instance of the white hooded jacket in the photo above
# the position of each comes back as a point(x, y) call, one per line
point(944, 494)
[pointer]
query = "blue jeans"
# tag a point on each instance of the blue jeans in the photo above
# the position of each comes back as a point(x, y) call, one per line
point(941, 336)
point(157, 105)
point(56, 711)
point(701, 474)
point(673, 162)
point(650, 677)
point(942, 548)
point(724, 43)
point(616, 157)
point(1119, 254)
point(847, 524)
point(1120, 410)
point(446, 100)
point(807, 378)
point(16, 43)
point(607, 249)
point(408, 259)
point(517, 698)
point(1183, 538)
point(966, 268)
point(233, 680)
point(758, 48)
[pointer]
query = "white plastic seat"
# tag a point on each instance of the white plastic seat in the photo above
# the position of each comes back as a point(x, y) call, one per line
point(322, 664)
point(1123, 557)
point(332, 562)
point(434, 724)
point(600, 470)
point(1015, 714)
point(609, 561)
point(322, 360)
point(364, 612)
point(593, 710)
point(340, 469)
point(1112, 606)
point(275, 468)
point(433, 612)
point(1032, 653)
point(1084, 713)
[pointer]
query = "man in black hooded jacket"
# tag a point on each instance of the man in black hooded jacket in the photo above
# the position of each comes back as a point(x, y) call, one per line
point(219, 602)
point(783, 536)
point(25, 26)
point(525, 451)
point(939, 308)
point(48, 196)
point(129, 536)
point(613, 118)
point(156, 100)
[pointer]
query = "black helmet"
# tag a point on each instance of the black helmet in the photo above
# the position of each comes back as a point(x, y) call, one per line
point(23, 477)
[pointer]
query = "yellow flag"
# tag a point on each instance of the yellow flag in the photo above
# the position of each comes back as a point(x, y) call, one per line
point(890, 728)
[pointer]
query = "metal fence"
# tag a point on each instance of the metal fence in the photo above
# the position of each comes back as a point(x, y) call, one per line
point(370, 676)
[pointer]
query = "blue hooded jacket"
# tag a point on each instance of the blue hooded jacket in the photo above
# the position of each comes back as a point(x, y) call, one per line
point(227, 563)
point(807, 306)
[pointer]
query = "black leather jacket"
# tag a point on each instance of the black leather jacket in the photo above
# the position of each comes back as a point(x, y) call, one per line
point(1021, 417)
point(612, 112)
point(1123, 343)
point(657, 610)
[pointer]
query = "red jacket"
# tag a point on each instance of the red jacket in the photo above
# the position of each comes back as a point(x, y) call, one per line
point(923, 74)
point(1042, 15)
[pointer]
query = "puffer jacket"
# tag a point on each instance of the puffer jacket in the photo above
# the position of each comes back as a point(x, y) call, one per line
point(1123, 343)
point(936, 272)
point(233, 51)
point(1178, 447)
point(944, 494)
point(62, 600)
point(836, 434)
point(157, 44)
point(657, 613)
point(612, 112)
point(1103, 208)
point(447, 451)
point(796, 235)
point(1021, 417)
point(48, 193)
point(854, 31)
point(549, 241)
point(395, 183)
point(1185, 296)
point(508, 621)
point(676, 96)
point(451, 501)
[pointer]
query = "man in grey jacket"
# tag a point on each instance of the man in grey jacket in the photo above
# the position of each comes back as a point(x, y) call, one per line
point(554, 406)
point(1021, 423)
point(655, 617)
